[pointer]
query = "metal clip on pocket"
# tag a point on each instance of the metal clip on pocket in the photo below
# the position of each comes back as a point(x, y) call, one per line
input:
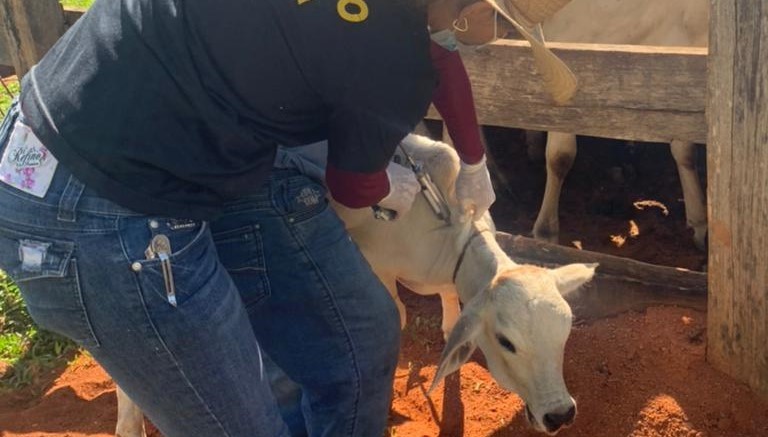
point(160, 247)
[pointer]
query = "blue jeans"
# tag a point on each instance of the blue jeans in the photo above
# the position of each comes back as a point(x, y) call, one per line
point(270, 272)
point(328, 322)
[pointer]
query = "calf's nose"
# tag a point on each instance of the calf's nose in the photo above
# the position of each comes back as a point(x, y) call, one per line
point(554, 421)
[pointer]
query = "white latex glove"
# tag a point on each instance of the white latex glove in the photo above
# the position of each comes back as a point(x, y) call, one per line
point(474, 190)
point(403, 188)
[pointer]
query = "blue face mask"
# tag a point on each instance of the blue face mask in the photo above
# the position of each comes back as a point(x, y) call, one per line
point(446, 39)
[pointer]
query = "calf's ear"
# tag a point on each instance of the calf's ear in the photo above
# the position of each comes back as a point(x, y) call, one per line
point(572, 276)
point(461, 342)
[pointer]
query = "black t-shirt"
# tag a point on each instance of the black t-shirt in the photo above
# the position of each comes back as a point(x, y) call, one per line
point(172, 107)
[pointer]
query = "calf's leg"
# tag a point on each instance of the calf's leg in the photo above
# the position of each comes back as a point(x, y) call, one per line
point(451, 310)
point(130, 419)
point(391, 285)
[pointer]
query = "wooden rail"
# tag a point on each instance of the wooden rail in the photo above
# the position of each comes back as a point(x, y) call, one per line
point(528, 250)
point(628, 92)
point(620, 284)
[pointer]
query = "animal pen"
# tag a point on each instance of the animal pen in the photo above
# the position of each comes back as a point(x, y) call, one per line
point(717, 96)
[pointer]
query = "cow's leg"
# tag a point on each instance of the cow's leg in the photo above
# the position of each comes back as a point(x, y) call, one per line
point(451, 310)
point(130, 419)
point(695, 203)
point(561, 152)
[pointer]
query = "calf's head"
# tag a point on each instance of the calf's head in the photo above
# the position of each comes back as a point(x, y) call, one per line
point(521, 323)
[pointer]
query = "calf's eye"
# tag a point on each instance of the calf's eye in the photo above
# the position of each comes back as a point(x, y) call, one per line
point(505, 343)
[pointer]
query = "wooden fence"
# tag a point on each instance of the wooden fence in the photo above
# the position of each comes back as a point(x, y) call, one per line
point(628, 92)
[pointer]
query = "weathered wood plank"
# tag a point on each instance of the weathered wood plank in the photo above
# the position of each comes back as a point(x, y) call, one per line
point(30, 28)
point(607, 296)
point(620, 284)
point(683, 281)
point(737, 164)
point(627, 92)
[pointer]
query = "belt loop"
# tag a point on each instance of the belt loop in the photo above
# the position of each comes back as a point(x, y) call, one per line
point(69, 199)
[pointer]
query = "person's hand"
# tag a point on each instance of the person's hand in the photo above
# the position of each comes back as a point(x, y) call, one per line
point(474, 190)
point(403, 188)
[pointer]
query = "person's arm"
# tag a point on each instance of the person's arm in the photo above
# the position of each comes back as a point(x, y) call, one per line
point(377, 85)
point(359, 173)
point(454, 101)
point(355, 189)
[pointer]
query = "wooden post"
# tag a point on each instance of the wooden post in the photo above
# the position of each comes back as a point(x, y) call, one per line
point(5, 55)
point(30, 28)
point(737, 167)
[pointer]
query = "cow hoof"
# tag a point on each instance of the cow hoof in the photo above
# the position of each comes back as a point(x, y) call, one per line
point(547, 235)
point(700, 238)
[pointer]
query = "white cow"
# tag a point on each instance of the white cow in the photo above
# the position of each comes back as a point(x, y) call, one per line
point(644, 22)
point(515, 313)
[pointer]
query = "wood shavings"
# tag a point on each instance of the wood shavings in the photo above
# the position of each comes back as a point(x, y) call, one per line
point(618, 240)
point(642, 204)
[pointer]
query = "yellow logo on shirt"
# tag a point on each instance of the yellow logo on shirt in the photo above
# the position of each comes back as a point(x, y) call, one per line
point(354, 11)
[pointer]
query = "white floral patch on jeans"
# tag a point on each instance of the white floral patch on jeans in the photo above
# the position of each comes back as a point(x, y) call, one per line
point(27, 164)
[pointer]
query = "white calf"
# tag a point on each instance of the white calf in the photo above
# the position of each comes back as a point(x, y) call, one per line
point(515, 313)
point(645, 22)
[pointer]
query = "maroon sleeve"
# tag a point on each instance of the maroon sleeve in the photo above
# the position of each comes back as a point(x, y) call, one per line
point(356, 190)
point(453, 100)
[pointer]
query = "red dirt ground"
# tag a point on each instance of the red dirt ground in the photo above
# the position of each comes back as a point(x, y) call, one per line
point(641, 374)
point(638, 374)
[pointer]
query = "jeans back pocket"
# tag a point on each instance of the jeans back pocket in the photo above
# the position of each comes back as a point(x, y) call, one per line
point(178, 271)
point(301, 198)
point(46, 273)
